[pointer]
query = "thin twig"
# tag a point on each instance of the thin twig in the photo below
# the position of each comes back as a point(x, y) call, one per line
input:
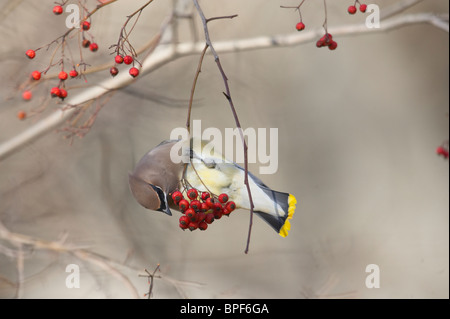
point(233, 109)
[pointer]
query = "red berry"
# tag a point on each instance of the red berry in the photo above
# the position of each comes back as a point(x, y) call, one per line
point(442, 151)
point(226, 211)
point(223, 198)
point(86, 25)
point(209, 218)
point(26, 95)
point(36, 75)
point(320, 43)
point(333, 45)
point(190, 213)
point(300, 26)
point(183, 226)
point(57, 10)
point(351, 9)
point(134, 72)
point(30, 54)
point(93, 47)
point(86, 43)
point(193, 226)
point(218, 214)
point(196, 205)
point(177, 196)
point(62, 94)
point(205, 195)
point(192, 193)
point(54, 92)
point(363, 7)
point(21, 115)
point(230, 206)
point(114, 71)
point(73, 73)
point(204, 207)
point(62, 76)
point(184, 220)
point(210, 202)
point(128, 59)
point(184, 204)
point(202, 225)
point(201, 217)
point(118, 59)
point(217, 207)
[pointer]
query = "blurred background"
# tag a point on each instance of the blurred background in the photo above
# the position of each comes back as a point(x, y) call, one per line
point(358, 128)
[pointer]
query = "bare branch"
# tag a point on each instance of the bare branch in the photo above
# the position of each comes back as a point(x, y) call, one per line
point(168, 53)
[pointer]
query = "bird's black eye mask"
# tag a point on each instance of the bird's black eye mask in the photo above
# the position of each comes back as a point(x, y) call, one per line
point(163, 200)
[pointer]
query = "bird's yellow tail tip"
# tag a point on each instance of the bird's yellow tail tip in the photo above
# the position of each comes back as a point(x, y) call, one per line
point(287, 225)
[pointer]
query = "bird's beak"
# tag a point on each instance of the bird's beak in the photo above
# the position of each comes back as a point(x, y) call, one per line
point(164, 207)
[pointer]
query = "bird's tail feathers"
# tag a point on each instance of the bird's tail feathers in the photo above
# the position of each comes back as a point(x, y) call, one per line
point(279, 220)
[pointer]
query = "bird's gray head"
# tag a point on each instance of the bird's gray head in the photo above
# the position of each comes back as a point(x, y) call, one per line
point(148, 195)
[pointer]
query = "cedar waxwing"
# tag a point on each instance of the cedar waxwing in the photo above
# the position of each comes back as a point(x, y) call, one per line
point(156, 176)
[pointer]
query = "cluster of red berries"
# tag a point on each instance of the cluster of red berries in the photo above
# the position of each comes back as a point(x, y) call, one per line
point(352, 9)
point(327, 41)
point(200, 210)
point(59, 90)
point(127, 59)
point(442, 151)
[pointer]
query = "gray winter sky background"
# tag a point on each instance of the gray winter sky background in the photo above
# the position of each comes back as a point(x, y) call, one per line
point(358, 128)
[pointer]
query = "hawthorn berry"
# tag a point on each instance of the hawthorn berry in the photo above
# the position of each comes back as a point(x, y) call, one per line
point(230, 206)
point(363, 7)
point(184, 226)
point(62, 94)
point(128, 59)
point(202, 225)
point(118, 59)
point(62, 76)
point(218, 214)
point(36, 75)
point(21, 115)
point(300, 26)
point(134, 72)
point(442, 151)
point(351, 9)
point(333, 45)
point(184, 220)
point(204, 207)
point(183, 205)
point(57, 10)
point(209, 218)
point(190, 212)
point(196, 205)
point(55, 91)
point(114, 71)
point(205, 195)
point(26, 95)
point(177, 196)
point(226, 211)
point(193, 226)
point(93, 47)
point(30, 54)
point(192, 193)
point(86, 25)
point(223, 198)
point(201, 217)
point(86, 43)
point(210, 202)
point(73, 73)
